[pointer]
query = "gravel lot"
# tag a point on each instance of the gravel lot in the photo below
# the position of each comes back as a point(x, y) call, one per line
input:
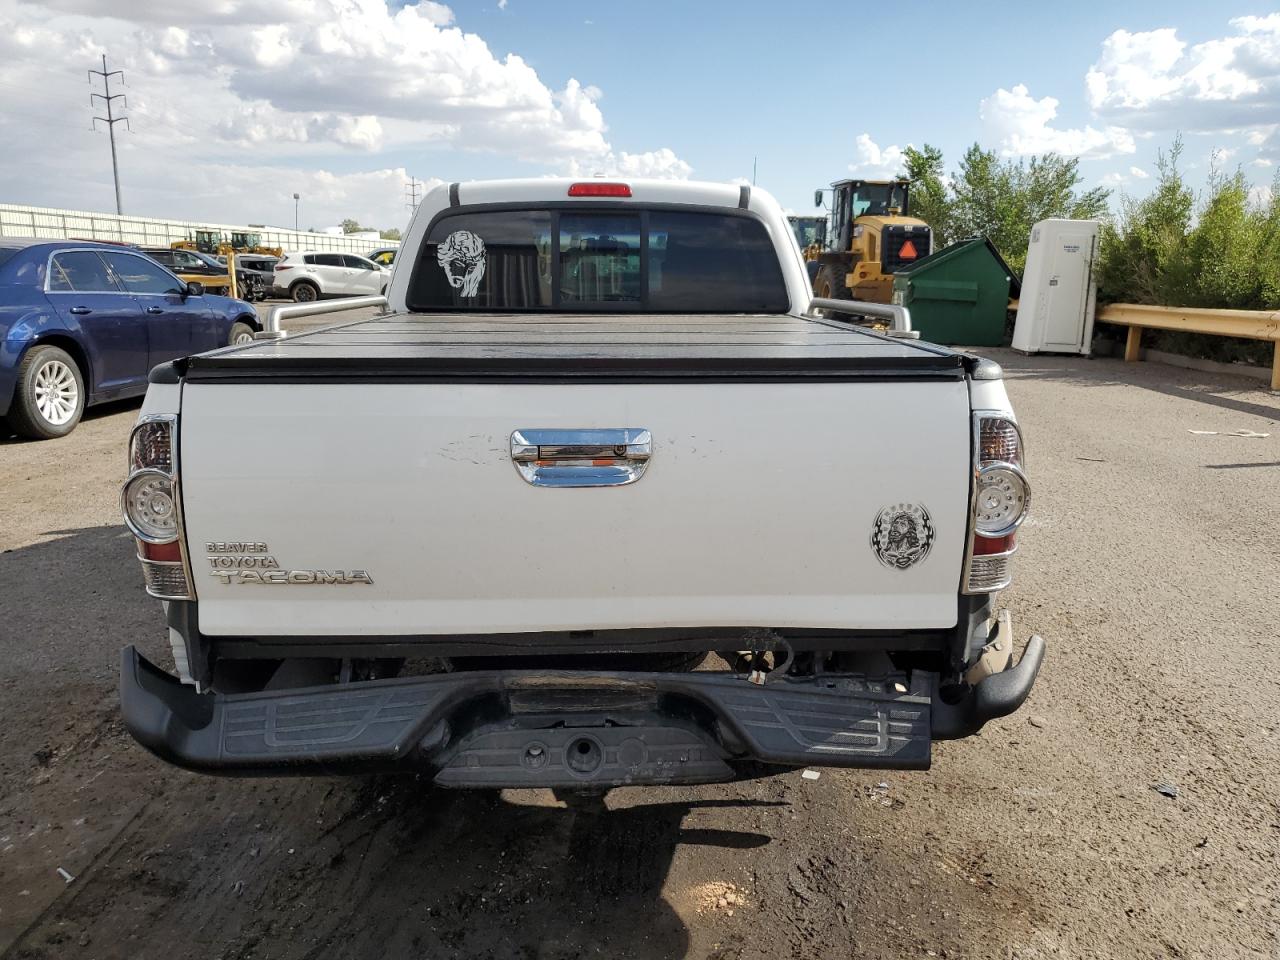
point(1151, 565)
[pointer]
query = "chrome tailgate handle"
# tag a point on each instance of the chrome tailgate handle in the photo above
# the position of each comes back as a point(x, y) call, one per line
point(581, 458)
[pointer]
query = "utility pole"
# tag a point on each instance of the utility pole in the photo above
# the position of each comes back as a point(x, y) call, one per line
point(110, 119)
point(411, 188)
point(753, 170)
point(296, 198)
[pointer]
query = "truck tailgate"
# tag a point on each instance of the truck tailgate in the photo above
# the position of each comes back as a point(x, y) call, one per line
point(331, 453)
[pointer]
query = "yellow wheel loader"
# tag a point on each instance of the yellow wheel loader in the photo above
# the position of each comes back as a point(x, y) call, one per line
point(206, 241)
point(212, 243)
point(871, 237)
point(811, 234)
point(249, 243)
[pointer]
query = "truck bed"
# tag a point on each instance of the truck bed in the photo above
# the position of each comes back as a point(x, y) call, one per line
point(582, 347)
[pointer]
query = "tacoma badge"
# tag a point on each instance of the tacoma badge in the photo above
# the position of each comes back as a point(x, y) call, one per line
point(251, 562)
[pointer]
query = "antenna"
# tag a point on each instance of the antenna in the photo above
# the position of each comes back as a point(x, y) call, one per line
point(110, 119)
point(411, 190)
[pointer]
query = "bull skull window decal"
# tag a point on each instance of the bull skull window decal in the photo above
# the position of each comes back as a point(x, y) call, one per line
point(462, 258)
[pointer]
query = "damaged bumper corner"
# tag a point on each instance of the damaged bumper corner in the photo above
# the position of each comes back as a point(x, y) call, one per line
point(993, 696)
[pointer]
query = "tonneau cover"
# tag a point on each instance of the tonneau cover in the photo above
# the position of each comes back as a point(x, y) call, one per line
point(581, 346)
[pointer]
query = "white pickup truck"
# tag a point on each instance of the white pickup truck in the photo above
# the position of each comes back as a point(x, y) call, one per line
point(597, 501)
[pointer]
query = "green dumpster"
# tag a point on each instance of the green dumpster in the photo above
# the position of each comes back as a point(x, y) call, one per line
point(958, 295)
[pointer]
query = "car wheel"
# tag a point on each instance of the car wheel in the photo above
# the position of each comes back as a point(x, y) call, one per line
point(50, 395)
point(305, 292)
point(241, 333)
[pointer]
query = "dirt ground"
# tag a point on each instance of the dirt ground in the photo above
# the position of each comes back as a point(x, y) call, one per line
point(1151, 565)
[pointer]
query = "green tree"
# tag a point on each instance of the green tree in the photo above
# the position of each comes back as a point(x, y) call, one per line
point(351, 226)
point(1143, 254)
point(929, 200)
point(1224, 247)
point(1269, 256)
point(1003, 199)
point(1222, 251)
point(392, 234)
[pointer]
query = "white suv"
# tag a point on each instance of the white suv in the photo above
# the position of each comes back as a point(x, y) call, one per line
point(309, 275)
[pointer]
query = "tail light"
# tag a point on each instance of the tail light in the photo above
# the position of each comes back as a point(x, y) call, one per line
point(599, 189)
point(1000, 499)
point(152, 507)
point(282, 266)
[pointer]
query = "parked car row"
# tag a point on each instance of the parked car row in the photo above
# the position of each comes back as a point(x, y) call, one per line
point(82, 323)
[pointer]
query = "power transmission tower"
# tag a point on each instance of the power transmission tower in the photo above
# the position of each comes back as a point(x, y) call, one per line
point(411, 188)
point(110, 119)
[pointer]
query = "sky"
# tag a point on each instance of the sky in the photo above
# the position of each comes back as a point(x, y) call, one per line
point(235, 105)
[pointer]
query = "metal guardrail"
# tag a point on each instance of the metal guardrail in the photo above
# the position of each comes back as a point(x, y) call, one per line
point(273, 331)
point(899, 317)
point(1250, 324)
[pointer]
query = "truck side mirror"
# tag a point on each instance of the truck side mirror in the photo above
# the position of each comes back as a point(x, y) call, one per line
point(817, 198)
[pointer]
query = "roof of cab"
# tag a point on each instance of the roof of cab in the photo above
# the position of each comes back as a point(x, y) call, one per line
point(548, 189)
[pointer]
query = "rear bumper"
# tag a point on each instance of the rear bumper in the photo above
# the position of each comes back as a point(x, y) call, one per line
point(524, 728)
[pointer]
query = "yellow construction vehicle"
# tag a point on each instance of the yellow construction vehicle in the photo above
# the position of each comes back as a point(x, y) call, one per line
point(871, 238)
point(811, 234)
point(206, 241)
point(212, 243)
point(249, 243)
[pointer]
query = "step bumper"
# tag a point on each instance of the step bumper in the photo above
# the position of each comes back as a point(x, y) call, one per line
point(547, 728)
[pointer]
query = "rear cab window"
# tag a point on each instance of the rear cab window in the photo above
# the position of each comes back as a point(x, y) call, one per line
point(630, 259)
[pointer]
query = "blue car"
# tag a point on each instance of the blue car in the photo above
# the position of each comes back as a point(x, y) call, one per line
point(81, 323)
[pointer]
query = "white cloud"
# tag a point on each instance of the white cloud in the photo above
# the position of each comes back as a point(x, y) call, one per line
point(655, 163)
point(1134, 68)
point(1269, 147)
point(328, 84)
point(1117, 178)
point(1154, 80)
point(661, 164)
point(874, 162)
point(1021, 125)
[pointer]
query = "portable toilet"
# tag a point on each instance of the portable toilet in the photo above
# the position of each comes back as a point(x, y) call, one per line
point(958, 295)
point(1055, 311)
